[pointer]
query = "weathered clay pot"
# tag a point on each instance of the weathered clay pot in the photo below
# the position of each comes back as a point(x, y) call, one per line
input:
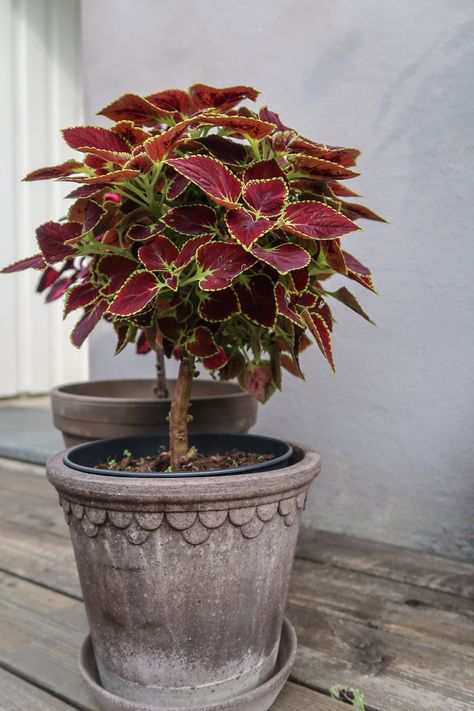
point(112, 408)
point(185, 580)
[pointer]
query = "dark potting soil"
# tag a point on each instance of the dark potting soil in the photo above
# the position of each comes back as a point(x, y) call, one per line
point(195, 462)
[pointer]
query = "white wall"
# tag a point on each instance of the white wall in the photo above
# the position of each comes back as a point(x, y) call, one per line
point(395, 426)
point(41, 92)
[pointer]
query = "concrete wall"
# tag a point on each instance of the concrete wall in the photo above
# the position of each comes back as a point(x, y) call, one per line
point(395, 426)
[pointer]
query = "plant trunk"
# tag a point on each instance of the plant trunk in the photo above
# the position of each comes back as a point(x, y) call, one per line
point(179, 445)
point(161, 389)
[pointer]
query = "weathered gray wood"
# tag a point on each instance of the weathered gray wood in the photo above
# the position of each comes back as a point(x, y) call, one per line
point(39, 556)
point(406, 610)
point(43, 630)
point(41, 634)
point(18, 695)
point(395, 674)
point(395, 623)
point(391, 562)
point(298, 698)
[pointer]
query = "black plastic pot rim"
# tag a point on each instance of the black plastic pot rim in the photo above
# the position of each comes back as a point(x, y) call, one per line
point(82, 456)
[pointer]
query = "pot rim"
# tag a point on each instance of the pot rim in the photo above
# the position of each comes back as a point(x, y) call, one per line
point(205, 490)
point(62, 393)
point(277, 460)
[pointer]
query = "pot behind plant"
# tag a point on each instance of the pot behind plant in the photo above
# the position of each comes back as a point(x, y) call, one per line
point(185, 580)
point(112, 408)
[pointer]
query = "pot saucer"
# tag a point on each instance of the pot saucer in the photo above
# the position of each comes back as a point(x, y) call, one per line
point(259, 699)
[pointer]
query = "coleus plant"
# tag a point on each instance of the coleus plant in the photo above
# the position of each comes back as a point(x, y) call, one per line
point(207, 230)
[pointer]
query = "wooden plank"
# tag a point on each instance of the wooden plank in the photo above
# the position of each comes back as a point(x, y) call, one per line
point(42, 557)
point(44, 630)
point(26, 497)
point(406, 610)
point(363, 620)
point(17, 695)
point(387, 561)
point(393, 674)
point(298, 698)
point(41, 634)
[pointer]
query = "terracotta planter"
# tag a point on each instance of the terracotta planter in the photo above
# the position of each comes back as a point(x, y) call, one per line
point(185, 582)
point(112, 408)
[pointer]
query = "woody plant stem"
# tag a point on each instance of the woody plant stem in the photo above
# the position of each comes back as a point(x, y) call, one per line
point(179, 414)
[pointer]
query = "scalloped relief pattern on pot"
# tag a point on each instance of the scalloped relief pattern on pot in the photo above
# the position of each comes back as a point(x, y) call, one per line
point(195, 527)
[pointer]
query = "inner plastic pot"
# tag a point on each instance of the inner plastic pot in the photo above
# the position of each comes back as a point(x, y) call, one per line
point(85, 457)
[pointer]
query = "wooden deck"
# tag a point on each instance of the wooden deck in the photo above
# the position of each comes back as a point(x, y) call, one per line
point(395, 623)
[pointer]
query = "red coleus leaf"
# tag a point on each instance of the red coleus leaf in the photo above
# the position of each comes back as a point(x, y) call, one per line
point(170, 328)
point(140, 162)
point(137, 292)
point(188, 252)
point(160, 145)
point(48, 277)
point(282, 141)
point(201, 343)
point(354, 212)
point(83, 137)
point(117, 269)
point(87, 323)
point(246, 228)
point(264, 169)
point(34, 262)
point(92, 215)
point(344, 156)
point(313, 220)
point(251, 127)
point(130, 133)
point(212, 176)
point(174, 100)
point(291, 364)
point(177, 186)
point(216, 362)
point(158, 255)
point(122, 331)
point(320, 168)
point(322, 308)
point(344, 296)
point(341, 191)
point(358, 272)
point(221, 262)
point(80, 296)
point(267, 197)
point(321, 332)
point(283, 257)
point(116, 176)
point(267, 115)
point(143, 347)
point(145, 233)
point(191, 219)
point(225, 150)
point(334, 255)
point(85, 191)
point(300, 279)
point(286, 306)
point(204, 96)
point(54, 171)
point(257, 380)
point(219, 305)
point(257, 299)
point(131, 107)
point(59, 288)
point(51, 239)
